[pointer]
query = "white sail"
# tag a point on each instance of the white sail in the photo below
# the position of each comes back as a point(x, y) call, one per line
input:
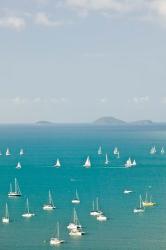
point(58, 164)
point(99, 151)
point(87, 163)
point(162, 151)
point(5, 219)
point(18, 165)
point(128, 163)
point(21, 151)
point(7, 152)
point(153, 150)
point(139, 209)
point(134, 163)
point(116, 151)
point(106, 160)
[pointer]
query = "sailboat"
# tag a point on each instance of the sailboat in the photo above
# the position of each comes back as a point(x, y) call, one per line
point(5, 219)
point(56, 240)
point(106, 160)
point(99, 151)
point(18, 165)
point(50, 205)
point(87, 163)
point(75, 224)
point(134, 163)
point(57, 164)
point(0, 153)
point(153, 150)
point(21, 151)
point(7, 152)
point(76, 232)
point(128, 163)
point(148, 203)
point(27, 213)
point(162, 151)
point(16, 192)
point(76, 200)
point(141, 208)
point(95, 212)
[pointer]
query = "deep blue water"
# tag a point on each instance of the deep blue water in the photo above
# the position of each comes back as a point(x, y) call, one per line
point(72, 144)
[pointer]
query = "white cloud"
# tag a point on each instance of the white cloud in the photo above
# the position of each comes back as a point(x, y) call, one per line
point(140, 100)
point(159, 6)
point(19, 100)
point(42, 19)
point(13, 22)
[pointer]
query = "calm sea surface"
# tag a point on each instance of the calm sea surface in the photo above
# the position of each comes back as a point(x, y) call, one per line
point(72, 144)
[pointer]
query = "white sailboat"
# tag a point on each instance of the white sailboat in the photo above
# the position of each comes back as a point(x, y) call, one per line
point(101, 217)
point(56, 240)
point(106, 159)
point(0, 153)
point(95, 212)
point(27, 213)
point(57, 164)
point(7, 152)
point(128, 163)
point(162, 151)
point(76, 200)
point(99, 151)
point(6, 219)
point(76, 232)
point(134, 163)
point(21, 151)
point(75, 223)
point(87, 163)
point(18, 166)
point(153, 150)
point(50, 205)
point(16, 192)
point(139, 209)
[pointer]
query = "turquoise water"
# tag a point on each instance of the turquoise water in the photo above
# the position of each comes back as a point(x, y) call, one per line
point(72, 144)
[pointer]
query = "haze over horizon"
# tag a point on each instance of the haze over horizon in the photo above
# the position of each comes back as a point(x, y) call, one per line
point(79, 60)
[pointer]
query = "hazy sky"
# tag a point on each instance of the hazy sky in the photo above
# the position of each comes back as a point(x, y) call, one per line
point(78, 60)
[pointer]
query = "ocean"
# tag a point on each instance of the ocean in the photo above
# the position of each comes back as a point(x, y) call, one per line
point(42, 145)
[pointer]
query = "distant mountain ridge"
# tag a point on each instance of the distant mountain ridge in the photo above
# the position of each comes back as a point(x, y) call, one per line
point(109, 120)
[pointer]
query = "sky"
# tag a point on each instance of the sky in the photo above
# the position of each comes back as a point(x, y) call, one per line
point(72, 61)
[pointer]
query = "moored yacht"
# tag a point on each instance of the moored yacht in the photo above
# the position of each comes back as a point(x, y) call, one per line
point(27, 213)
point(50, 205)
point(95, 212)
point(16, 192)
point(76, 200)
point(56, 240)
point(75, 224)
point(148, 202)
point(141, 208)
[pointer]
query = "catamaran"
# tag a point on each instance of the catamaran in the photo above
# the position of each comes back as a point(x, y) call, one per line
point(106, 160)
point(148, 203)
point(87, 163)
point(16, 192)
point(162, 151)
point(56, 240)
point(21, 151)
point(5, 219)
point(95, 212)
point(50, 205)
point(27, 213)
point(153, 150)
point(75, 224)
point(18, 165)
point(7, 152)
point(99, 151)
point(141, 208)
point(76, 200)
point(57, 164)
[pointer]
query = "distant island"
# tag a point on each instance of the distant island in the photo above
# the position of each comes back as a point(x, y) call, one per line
point(106, 121)
point(112, 121)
